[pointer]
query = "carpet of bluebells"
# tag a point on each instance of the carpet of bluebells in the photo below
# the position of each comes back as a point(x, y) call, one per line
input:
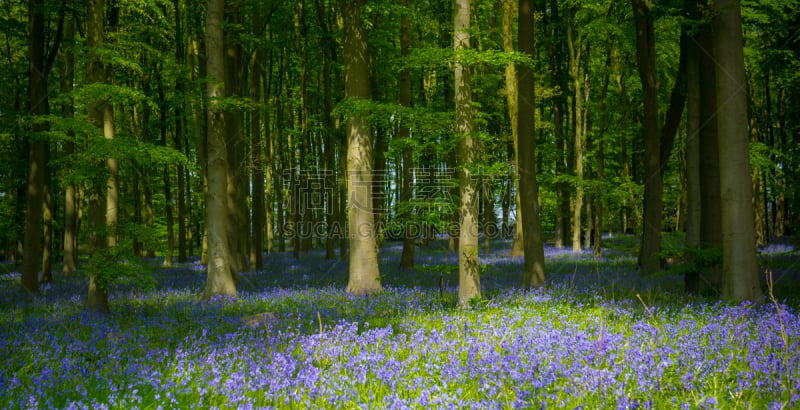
point(597, 335)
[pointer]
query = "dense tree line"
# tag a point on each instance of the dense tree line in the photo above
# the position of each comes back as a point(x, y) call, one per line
point(232, 128)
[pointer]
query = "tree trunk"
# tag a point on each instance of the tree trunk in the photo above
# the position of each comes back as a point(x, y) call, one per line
point(710, 202)
point(112, 164)
point(574, 45)
point(219, 278)
point(693, 181)
point(509, 9)
point(98, 292)
point(47, 219)
point(405, 212)
point(257, 152)
point(200, 144)
point(364, 275)
point(601, 159)
point(234, 129)
point(166, 178)
point(98, 285)
point(70, 204)
point(739, 268)
point(37, 168)
point(469, 284)
point(534, 274)
point(649, 260)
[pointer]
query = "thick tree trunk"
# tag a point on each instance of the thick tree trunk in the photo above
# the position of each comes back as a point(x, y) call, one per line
point(649, 260)
point(37, 168)
point(739, 268)
point(469, 284)
point(364, 274)
point(219, 278)
point(710, 201)
point(534, 273)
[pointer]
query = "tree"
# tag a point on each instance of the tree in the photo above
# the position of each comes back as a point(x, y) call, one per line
point(364, 274)
point(739, 268)
point(37, 147)
point(219, 279)
point(469, 284)
point(511, 91)
point(534, 274)
point(70, 200)
point(407, 258)
point(649, 260)
point(574, 43)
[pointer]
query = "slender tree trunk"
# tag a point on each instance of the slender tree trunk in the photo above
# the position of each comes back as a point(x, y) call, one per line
point(509, 9)
point(649, 260)
point(109, 131)
point(167, 179)
point(268, 158)
point(47, 220)
point(219, 278)
point(234, 129)
point(98, 293)
point(364, 275)
point(257, 152)
point(574, 45)
point(199, 120)
point(405, 213)
point(739, 268)
point(70, 203)
point(587, 146)
point(534, 273)
point(780, 201)
point(98, 287)
point(562, 203)
point(759, 206)
point(693, 159)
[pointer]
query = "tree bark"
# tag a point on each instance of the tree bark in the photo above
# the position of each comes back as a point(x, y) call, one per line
point(509, 9)
point(739, 268)
point(364, 274)
point(219, 278)
point(534, 273)
point(649, 260)
point(693, 181)
point(257, 152)
point(710, 201)
point(574, 45)
point(70, 203)
point(469, 284)
point(407, 258)
point(98, 293)
point(37, 168)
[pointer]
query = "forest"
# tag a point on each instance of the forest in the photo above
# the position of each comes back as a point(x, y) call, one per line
point(399, 204)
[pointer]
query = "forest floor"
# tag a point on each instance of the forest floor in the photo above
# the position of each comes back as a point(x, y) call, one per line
point(597, 335)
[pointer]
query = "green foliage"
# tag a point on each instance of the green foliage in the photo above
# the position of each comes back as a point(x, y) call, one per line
point(118, 264)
